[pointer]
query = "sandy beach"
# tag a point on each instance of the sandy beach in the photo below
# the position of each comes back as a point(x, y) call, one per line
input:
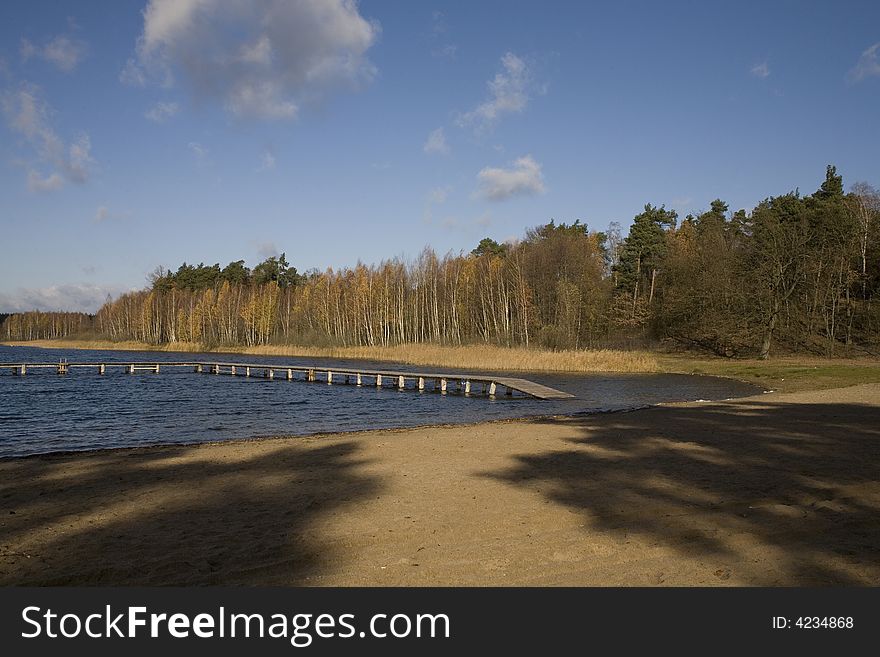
point(779, 489)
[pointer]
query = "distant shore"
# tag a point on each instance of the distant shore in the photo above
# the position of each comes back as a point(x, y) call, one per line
point(787, 373)
point(773, 490)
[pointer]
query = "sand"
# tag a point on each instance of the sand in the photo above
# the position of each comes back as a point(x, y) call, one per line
point(779, 489)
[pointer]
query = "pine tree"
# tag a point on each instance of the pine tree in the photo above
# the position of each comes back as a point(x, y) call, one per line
point(642, 254)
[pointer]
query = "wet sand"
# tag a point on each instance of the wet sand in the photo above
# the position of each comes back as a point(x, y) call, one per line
point(779, 489)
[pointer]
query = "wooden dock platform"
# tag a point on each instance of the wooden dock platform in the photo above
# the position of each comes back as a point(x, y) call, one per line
point(443, 382)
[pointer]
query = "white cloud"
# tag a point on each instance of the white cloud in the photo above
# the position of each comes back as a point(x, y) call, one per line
point(522, 179)
point(199, 151)
point(508, 94)
point(79, 158)
point(162, 111)
point(36, 182)
point(267, 161)
point(868, 64)
point(259, 52)
point(439, 194)
point(82, 297)
point(132, 74)
point(447, 51)
point(263, 99)
point(438, 31)
point(30, 116)
point(63, 52)
point(436, 142)
point(438, 25)
point(761, 70)
point(104, 214)
point(258, 59)
point(267, 250)
point(27, 50)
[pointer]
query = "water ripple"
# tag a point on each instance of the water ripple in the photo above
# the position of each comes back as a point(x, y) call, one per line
point(45, 412)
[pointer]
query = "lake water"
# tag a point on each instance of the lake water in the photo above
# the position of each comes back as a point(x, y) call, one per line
point(44, 412)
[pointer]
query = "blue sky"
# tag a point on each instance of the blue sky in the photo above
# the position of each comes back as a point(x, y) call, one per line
point(138, 134)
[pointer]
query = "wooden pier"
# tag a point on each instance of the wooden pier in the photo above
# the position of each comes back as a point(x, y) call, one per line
point(444, 383)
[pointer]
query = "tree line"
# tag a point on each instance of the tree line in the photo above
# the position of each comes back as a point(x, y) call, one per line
point(37, 325)
point(797, 273)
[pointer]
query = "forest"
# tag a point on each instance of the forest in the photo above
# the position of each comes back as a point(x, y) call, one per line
point(795, 274)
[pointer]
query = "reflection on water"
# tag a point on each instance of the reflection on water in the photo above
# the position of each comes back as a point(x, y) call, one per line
point(44, 412)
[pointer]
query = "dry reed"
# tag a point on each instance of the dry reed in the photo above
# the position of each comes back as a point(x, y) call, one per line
point(476, 357)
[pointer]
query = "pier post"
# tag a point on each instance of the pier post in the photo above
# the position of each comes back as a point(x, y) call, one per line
point(347, 379)
point(198, 369)
point(270, 373)
point(467, 387)
point(401, 382)
point(129, 369)
point(62, 368)
point(310, 375)
point(421, 383)
point(101, 368)
point(359, 380)
point(21, 370)
point(329, 377)
point(378, 380)
point(458, 385)
point(232, 370)
point(215, 369)
point(443, 386)
point(492, 389)
point(247, 371)
point(289, 374)
point(157, 369)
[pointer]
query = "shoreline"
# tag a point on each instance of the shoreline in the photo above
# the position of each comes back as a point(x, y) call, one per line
point(781, 489)
point(782, 373)
point(550, 417)
point(287, 437)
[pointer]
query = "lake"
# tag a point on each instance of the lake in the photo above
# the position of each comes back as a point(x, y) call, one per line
point(44, 412)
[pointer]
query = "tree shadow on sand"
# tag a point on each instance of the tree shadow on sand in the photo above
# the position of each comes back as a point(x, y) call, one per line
point(145, 517)
point(796, 483)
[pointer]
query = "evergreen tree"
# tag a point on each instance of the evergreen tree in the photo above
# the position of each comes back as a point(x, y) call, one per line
point(276, 270)
point(235, 273)
point(833, 185)
point(642, 254)
point(714, 218)
point(488, 246)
